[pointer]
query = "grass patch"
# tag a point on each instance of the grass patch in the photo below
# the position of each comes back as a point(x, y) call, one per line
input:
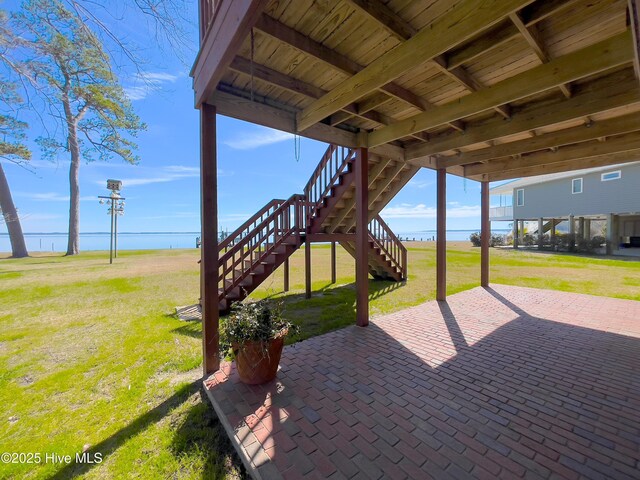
point(89, 353)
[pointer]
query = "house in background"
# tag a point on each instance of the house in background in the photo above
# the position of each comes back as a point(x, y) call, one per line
point(610, 194)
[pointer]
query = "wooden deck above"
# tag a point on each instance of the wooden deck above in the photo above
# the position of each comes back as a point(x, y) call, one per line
point(488, 89)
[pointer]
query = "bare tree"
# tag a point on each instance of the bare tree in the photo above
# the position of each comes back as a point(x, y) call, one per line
point(72, 73)
point(170, 22)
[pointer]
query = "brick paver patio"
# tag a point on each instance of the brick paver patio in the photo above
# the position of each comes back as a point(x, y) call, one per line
point(507, 382)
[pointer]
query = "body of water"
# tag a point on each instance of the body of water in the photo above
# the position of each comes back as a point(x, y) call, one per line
point(452, 235)
point(57, 242)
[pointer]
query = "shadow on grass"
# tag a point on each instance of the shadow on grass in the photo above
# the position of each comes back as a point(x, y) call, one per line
point(327, 309)
point(191, 329)
point(200, 433)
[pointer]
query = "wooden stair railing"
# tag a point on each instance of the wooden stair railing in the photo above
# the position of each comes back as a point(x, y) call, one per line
point(325, 180)
point(255, 246)
point(247, 227)
point(390, 245)
point(262, 243)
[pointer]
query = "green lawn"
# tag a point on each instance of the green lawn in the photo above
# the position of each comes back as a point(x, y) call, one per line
point(90, 354)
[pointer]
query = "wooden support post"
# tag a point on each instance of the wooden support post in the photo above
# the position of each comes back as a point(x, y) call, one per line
point(580, 228)
point(362, 237)
point(552, 233)
point(572, 233)
point(209, 250)
point(521, 232)
point(485, 233)
point(610, 233)
point(286, 275)
point(587, 229)
point(516, 234)
point(441, 236)
point(333, 262)
point(307, 268)
point(540, 232)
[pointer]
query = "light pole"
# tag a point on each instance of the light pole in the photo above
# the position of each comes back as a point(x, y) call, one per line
point(116, 208)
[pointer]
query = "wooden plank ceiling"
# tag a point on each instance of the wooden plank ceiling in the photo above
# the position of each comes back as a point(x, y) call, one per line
point(489, 89)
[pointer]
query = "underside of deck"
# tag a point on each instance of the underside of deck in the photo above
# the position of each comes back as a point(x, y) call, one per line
point(488, 89)
point(502, 382)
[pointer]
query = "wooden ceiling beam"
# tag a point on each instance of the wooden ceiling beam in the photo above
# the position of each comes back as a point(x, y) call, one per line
point(506, 31)
point(486, 42)
point(634, 21)
point(570, 165)
point(594, 148)
point(583, 133)
point(461, 22)
point(273, 77)
point(306, 45)
point(610, 53)
point(532, 37)
point(602, 95)
point(542, 9)
point(461, 76)
point(361, 108)
point(386, 18)
point(374, 101)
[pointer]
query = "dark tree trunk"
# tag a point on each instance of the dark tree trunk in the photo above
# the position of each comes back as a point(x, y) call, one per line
point(73, 245)
point(18, 247)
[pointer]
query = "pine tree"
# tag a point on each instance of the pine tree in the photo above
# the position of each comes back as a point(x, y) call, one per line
point(70, 71)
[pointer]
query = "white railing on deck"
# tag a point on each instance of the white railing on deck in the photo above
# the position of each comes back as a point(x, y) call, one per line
point(501, 213)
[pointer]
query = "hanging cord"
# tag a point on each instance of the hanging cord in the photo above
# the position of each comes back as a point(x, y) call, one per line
point(296, 146)
point(251, 64)
point(296, 140)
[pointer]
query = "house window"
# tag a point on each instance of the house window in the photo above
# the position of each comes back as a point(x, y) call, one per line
point(576, 185)
point(605, 177)
point(520, 197)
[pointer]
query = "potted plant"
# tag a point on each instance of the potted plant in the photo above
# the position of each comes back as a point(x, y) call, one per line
point(255, 334)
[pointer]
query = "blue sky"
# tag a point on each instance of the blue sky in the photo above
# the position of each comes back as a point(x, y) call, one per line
point(255, 165)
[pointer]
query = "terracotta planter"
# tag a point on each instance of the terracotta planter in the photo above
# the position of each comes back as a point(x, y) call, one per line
point(257, 362)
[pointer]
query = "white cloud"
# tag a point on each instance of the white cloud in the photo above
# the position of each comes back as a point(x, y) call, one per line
point(422, 211)
point(182, 169)
point(165, 174)
point(256, 138)
point(144, 84)
point(420, 184)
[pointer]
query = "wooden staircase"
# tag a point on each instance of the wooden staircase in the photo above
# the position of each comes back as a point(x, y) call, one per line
point(258, 247)
point(548, 226)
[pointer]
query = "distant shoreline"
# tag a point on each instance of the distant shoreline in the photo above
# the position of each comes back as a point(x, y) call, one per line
point(4, 234)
